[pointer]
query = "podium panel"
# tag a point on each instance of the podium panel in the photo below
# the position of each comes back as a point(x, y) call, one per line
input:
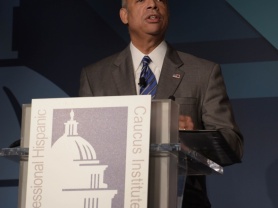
point(170, 159)
point(163, 169)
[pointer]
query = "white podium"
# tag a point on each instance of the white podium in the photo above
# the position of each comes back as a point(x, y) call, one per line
point(170, 161)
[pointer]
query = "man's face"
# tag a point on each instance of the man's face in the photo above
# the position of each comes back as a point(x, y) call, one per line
point(145, 17)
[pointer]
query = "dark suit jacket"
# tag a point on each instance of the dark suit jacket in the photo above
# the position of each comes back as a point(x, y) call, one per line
point(197, 86)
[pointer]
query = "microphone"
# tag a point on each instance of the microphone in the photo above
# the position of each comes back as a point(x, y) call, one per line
point(142, 82)
point(172, 97)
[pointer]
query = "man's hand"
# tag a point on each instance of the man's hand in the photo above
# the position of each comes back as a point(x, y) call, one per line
point(185, 123)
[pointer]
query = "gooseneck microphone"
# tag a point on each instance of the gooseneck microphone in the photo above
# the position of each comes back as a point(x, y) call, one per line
point(172, 97)
point(142, 82)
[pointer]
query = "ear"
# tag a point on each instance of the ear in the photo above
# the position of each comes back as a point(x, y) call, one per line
point(123, 15)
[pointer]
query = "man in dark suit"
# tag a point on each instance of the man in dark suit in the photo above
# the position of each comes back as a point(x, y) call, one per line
point(196, 84)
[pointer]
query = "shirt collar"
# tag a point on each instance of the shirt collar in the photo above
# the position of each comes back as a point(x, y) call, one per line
point(157, 55)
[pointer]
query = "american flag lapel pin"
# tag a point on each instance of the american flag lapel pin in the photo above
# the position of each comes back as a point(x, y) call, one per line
point(177, 76)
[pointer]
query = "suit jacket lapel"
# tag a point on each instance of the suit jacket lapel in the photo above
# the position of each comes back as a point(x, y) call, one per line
point(123, 73)
point(171, 75)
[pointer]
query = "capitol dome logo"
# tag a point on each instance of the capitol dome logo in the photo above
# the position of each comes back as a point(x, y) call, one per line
point(79, 173)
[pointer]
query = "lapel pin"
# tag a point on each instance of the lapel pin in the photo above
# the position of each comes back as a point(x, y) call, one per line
point(177, 76)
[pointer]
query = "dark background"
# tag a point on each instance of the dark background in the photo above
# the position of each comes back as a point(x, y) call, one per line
point(45, 43)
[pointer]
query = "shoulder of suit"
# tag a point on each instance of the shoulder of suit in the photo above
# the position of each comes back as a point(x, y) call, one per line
point(103, 62)
point(192, 59)
point(108, 61)
point(188, 60)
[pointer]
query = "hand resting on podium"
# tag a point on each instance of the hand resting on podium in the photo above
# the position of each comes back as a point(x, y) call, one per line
point(185, 123)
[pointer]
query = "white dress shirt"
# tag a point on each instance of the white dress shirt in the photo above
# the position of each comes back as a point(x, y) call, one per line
point(157, 57)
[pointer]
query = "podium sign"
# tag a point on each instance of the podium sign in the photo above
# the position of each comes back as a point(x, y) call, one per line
point(85, 150)
point(89, 152)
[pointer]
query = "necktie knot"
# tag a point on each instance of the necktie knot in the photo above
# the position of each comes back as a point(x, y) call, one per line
point(146, 61)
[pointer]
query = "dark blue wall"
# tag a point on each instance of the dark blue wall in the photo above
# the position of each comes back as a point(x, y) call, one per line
point(44, 44)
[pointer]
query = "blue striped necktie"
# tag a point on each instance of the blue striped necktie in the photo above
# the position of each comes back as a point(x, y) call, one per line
point(148, 83)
